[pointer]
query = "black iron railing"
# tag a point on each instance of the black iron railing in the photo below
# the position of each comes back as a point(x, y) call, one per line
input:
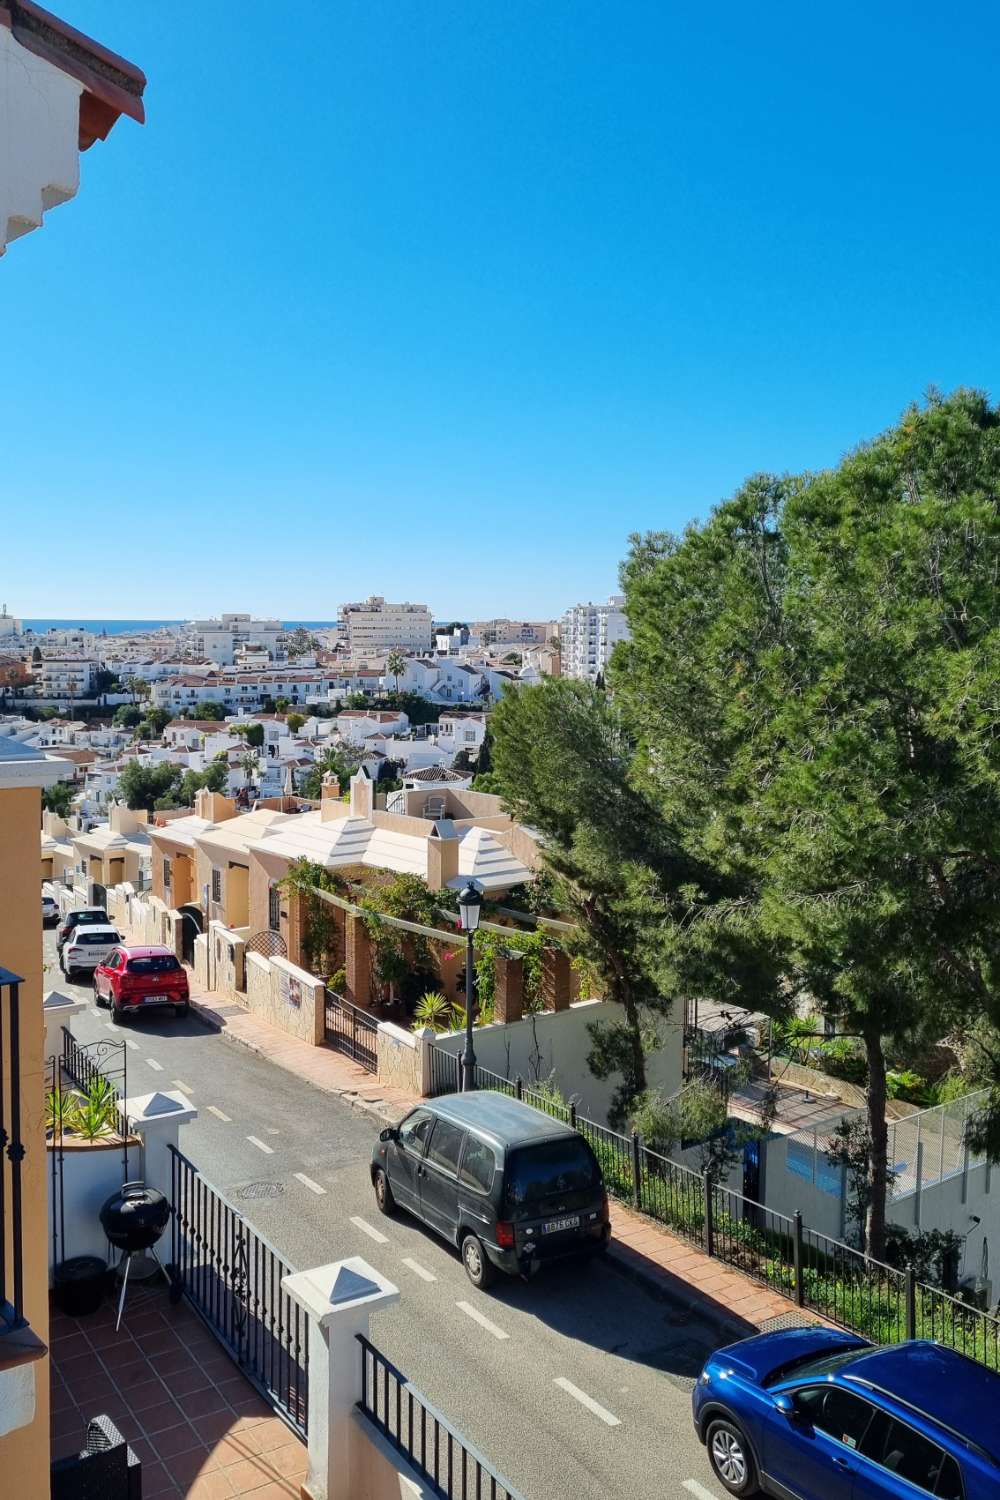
point(86, 1061)
point(451, 1466)
point(232, 1278)
point(11, 1157)
point(884, 1303)
point(352, 1031)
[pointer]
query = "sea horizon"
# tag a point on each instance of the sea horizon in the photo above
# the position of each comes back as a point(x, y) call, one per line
point(133, 627)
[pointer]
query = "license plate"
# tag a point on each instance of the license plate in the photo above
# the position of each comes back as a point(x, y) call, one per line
point(554, 1225)
point(153, 999)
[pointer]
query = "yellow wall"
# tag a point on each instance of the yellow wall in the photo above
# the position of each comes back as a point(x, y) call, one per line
point(236, 895)
point(24, 1454)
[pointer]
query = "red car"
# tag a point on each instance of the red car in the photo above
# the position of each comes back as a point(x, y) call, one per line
point(130, 979)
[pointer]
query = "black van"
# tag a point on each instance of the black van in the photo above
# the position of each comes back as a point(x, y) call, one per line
point(510, 1186)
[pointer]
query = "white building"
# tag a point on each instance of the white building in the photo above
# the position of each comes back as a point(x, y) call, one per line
point(588, 633)
point(504, 632)
point(355, 725)
point(457, 732)
point(65, 676)
point(219, 639)
point(373, 627)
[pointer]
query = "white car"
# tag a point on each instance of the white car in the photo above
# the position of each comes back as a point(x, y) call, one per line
point(50, 910)
point(86, 947)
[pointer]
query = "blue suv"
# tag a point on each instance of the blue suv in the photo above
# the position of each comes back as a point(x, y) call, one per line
point(815, 1414)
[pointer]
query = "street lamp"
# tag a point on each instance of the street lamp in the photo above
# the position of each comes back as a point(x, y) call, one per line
point(470, 902)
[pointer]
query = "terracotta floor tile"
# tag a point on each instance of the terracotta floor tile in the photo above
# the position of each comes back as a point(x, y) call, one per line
point(247, 1475)
point(174, 1359)
point(278, 1489)
point(233, 1449)
point(187, 1381)
point(212, 1426)
point(289, 1461)
point(214, 1486)
point(210, 1400)
point(156, 1481)
point(145, 1394)
point(271, 1433)
point(179, 1439)
point(189, 1466)
point(158, 1418)
point(252, 1407)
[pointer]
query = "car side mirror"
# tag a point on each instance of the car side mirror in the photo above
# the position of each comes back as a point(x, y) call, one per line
point(390, 1134)
point(785, 1404)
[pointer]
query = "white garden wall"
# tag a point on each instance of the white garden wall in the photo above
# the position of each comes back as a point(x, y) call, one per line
point(556, 1044)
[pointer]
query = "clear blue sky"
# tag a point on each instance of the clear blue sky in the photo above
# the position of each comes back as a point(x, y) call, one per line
point(441, 298)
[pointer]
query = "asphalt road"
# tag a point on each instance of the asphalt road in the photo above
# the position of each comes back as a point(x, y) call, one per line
point(577, 1385)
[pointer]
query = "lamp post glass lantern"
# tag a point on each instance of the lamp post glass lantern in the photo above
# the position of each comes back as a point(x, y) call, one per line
point(470, 903)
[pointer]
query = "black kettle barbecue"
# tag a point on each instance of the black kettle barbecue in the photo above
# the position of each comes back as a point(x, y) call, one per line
point(134, 1219)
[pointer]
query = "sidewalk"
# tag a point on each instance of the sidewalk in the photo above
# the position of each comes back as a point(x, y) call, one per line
point(330, 1071)
point(666, 1266)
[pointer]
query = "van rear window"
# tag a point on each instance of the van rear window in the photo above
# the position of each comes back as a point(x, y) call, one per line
point(546, 1170)
point(158, 963)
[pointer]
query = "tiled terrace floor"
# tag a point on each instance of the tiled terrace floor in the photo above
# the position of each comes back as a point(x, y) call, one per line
point(199, 1427)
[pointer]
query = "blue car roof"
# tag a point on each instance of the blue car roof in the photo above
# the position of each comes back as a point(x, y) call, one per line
point(946, 1386)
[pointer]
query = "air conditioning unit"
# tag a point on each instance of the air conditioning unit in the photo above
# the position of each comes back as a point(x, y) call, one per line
point(978, 1291)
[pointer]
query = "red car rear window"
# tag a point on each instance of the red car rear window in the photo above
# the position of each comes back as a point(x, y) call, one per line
point(161, 963)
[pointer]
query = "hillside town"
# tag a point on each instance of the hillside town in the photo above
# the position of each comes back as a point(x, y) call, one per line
point(497, 1047)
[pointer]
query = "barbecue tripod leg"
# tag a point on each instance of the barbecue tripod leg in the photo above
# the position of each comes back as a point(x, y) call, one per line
point(121, 1299)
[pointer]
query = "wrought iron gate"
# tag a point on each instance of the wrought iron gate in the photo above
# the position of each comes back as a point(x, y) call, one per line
point(352, 1031)
point(232, 1278)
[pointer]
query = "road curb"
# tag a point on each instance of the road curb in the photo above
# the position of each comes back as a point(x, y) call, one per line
point(380, 1112)
point(627, 1263)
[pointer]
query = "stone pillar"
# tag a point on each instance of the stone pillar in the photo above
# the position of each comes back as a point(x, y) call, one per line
point(425, 1040)
point(358, 962)
point(556, 972)
point(157, 1118)
point(58, 1010)
point(290, 919)
point(508, 1004)
point(338, 1300)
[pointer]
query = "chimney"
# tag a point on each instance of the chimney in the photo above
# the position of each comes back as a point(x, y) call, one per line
point(213, 806)
point(442, 859)
point(330, 787)
point(362, 796)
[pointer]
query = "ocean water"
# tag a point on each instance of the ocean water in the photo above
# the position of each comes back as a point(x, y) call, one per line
point(130, 627)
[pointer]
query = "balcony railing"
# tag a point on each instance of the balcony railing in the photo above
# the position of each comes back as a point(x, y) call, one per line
point(12, 1317)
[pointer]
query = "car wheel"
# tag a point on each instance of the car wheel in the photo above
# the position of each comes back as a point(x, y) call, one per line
point(383, 1192)
point(731, 1459)
point(478, 1266)
point(98, 997)
point(117, 1013)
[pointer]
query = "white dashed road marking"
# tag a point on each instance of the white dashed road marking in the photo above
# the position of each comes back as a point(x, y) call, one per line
point(313, 1187)
point(483, 1322)
point(261, 1145)
point(370, 1230)
point(95, 1012)
point(218, 1114)
point(588, 1401)
point(698, 1490)
point(132, 1046)
point(185, 1088)
point(152, 1063)
point(419, 1270)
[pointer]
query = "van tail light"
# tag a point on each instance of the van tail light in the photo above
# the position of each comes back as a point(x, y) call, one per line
point(605, 1209)
point(505, 1235)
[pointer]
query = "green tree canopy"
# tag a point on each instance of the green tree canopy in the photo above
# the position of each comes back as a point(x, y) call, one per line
point(811, 683)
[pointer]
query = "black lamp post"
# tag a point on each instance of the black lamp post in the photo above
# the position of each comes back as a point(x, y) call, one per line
point(470, 901)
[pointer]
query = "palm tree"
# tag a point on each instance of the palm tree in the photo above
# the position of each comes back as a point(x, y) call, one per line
point(395, 663)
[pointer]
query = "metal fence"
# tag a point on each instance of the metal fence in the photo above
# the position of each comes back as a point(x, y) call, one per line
point(85, 1062)
point(12, 1152)
point(452, 1467)
point(232, 1278)
point(351, 1030)
point(884, 1303)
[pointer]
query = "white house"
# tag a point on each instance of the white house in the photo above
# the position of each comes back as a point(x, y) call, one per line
point(588, 634)
point(457, 732)
point(356, 725)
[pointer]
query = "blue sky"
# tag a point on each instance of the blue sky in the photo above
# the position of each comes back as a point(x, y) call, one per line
point(441, 299)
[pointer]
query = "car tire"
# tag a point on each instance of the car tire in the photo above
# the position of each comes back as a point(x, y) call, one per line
point(117, 1013)
point(478, 1266)
point(383, 1193)
point(98, 997)
point(731, 1458)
